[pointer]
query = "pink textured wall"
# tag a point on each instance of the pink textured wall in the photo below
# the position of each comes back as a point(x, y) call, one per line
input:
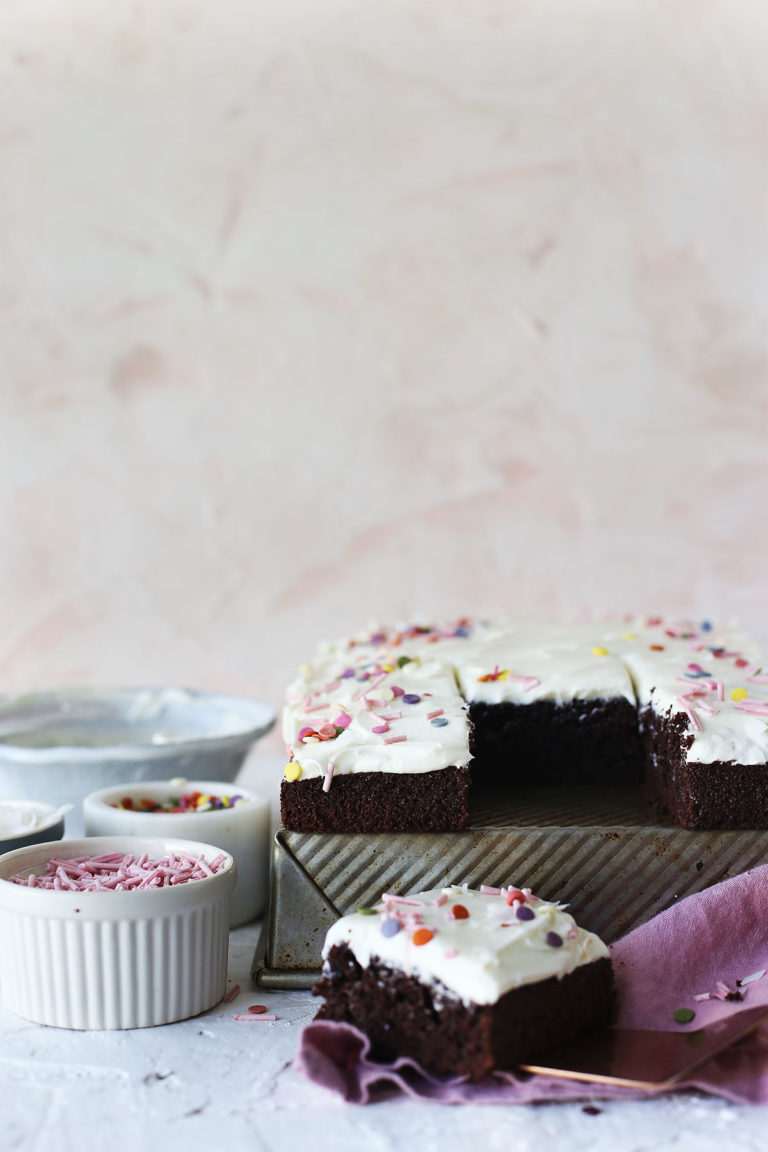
point(315, 313)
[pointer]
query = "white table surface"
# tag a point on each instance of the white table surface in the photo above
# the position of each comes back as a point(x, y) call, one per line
point(214, 1083)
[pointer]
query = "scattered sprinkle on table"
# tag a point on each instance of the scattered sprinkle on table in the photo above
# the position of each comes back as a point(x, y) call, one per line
point(683, 1015)
point(251, 1018)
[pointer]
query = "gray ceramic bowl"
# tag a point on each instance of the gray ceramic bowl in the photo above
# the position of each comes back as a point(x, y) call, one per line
point(58, 746)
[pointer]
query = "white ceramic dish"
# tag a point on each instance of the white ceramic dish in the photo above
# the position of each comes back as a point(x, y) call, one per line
point(58, 746)
point(96, 960)
point(242, 831)
point(25, 822)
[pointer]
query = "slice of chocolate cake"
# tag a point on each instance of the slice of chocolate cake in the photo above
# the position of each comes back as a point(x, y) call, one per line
point(465, 982)
point(704, 724)
point(379, 742)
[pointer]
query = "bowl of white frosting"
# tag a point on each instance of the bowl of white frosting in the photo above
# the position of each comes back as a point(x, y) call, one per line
point(24, 822)
point(58, 746)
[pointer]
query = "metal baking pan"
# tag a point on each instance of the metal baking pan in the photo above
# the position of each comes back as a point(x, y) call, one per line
point(595, 852)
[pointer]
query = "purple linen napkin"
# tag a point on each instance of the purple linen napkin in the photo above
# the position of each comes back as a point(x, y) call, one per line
point(704, 944)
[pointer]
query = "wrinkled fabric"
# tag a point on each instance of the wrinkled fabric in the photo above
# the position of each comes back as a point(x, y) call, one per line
point(720, 935)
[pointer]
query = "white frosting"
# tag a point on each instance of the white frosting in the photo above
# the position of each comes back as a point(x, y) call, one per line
point(478, 958)
point(541, 662)
point(20, 817)
point(358, 685)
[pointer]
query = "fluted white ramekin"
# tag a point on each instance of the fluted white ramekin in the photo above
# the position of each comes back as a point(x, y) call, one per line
point(113, 959)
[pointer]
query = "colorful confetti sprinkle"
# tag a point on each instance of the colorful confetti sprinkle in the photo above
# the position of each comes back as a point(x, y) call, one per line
point(458, 912)
point(187, 802)
point(515, 896)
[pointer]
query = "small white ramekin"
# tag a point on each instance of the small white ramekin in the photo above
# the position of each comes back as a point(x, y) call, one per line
point(97, 960)
point(242, 831)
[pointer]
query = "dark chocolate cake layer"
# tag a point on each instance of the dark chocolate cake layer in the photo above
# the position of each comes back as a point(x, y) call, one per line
point(582, 742)
point(379, 802)
point(719, 795)
point(403, 1017)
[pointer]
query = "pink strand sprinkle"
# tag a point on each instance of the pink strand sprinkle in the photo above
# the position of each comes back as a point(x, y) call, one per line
point(391, 898)
point(116, 873)
point(437, 712)
point(387, 716)
point(684, 706)
point(752, 707)
point(395, 739)
point(762, 678)
point(751, 979)
point(231, 994)
point(486, 890)
point(442, 899)
point(369, 685)
point(328, 776)
point(450, 953)
point(252, 1018)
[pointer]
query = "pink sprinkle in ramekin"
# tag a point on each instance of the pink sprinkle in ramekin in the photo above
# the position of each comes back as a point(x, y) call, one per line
point(113, 959)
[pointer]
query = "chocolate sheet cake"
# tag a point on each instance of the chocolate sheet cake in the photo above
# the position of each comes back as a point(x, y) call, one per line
point(386, 730)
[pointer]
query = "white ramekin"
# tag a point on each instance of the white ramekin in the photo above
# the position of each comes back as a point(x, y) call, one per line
point(242, 831)
point(113, 959)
